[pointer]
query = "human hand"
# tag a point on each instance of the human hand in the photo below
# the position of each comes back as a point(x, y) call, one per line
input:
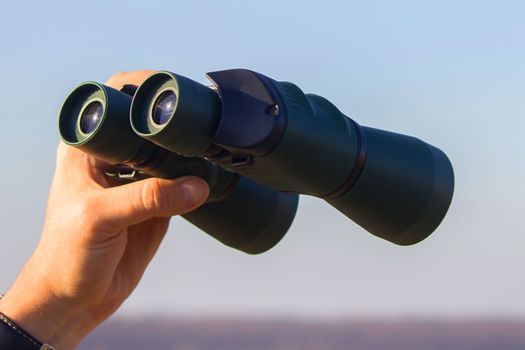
point(96, 244)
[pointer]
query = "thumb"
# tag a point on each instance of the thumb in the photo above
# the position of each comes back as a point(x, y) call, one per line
point(133, 203)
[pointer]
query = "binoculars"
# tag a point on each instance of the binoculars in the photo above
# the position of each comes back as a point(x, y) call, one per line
point(259, 143)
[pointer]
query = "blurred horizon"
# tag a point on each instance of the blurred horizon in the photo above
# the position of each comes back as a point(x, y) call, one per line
point(451, 73)
point(247, 334)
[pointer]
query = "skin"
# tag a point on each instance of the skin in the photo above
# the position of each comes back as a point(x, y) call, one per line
point(96, 243)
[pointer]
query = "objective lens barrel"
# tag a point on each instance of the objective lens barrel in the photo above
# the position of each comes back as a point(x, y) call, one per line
point(113, 141)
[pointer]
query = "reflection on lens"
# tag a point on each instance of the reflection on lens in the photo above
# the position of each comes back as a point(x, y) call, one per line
point(164, 107)
point(91, 117)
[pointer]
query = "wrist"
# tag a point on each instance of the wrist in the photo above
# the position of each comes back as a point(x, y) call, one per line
point(43, 316)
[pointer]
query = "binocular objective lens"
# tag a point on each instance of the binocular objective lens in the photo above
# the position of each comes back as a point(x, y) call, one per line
point(91, 117)
point(163, 107)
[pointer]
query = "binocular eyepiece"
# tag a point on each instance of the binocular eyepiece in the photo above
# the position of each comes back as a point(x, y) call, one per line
point(239, 212)
point(259, 143)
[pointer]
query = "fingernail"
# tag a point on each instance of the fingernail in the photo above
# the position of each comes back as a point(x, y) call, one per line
point(195, 191)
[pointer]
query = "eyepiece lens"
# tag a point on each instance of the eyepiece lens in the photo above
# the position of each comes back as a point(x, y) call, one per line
point(91, 117)
point(163, 107)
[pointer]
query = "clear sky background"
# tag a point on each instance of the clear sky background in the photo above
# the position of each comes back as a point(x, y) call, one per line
point(449, 72)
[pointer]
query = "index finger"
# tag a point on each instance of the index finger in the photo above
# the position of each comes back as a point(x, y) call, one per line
point(137, 77)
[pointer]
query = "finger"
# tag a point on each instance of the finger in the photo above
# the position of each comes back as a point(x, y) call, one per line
point(137, 77)
point(142, 244)
point(123, 206)
point(67, 156)
point(78, 167)
point(144, 239)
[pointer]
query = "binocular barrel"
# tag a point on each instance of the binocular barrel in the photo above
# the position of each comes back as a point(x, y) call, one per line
point(239, 212)
point(397, 187)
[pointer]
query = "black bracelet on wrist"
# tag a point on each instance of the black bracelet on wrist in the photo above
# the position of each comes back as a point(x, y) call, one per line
point(14, 337)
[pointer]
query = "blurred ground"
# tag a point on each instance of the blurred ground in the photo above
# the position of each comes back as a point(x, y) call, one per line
point(246, 334)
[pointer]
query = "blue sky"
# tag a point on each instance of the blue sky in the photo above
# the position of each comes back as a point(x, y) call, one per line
point(449, 72)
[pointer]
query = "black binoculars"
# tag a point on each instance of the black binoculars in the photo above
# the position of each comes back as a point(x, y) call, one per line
point(259, 143)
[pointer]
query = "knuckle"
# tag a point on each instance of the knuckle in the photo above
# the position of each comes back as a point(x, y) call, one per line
point(63, 152)
point(61, 149)
point(89, 203)
point(85, 211)
point(153, 195)
point(116, 79)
